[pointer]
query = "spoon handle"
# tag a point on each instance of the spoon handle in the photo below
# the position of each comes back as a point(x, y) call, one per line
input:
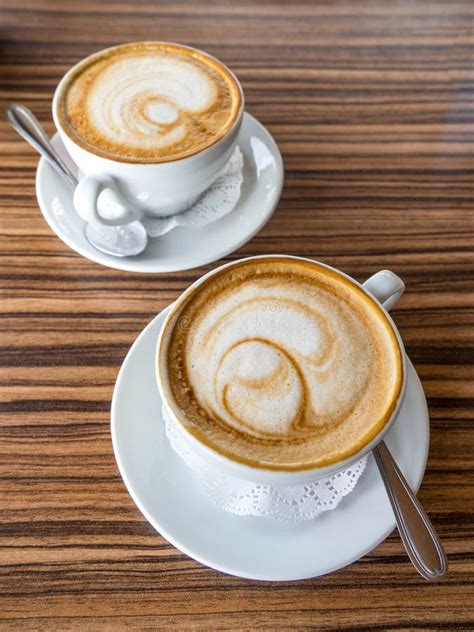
point(418, 535)
point(29, 128)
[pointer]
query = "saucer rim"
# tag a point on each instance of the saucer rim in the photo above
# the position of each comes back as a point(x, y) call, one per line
point(202, 559)
point(189, 261)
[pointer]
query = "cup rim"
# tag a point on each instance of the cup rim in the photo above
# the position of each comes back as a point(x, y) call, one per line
point(252, 472)
point(65, 78)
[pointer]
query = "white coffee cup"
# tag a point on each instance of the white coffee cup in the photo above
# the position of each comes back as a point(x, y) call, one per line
point(130, 190)
point(383, 287)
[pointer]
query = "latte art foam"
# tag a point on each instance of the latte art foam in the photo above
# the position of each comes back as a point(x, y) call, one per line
point(149, 102)
point(282, 364)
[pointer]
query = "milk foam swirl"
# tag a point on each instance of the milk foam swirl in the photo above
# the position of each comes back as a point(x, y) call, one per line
point(276, 363)
point(278, 373)
point(150, 101)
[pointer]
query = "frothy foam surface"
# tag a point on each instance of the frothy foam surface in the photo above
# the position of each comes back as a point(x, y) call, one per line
point(149, 102)
point(282, 364)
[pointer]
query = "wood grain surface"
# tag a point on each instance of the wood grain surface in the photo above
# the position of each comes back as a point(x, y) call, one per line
point(371, 104)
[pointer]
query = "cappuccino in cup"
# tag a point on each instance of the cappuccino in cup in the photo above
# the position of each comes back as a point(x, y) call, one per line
point(280, 363)
point(149, 102)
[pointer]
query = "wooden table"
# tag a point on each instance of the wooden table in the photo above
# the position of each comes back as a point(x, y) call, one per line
point(371, 105)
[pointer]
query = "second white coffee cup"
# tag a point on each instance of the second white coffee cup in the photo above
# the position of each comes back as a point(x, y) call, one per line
point(384, 287)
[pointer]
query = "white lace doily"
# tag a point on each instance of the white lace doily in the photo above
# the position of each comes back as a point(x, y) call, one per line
point(218, 200)
point(285, 503)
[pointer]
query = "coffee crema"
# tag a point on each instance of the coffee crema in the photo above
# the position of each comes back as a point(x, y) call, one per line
point(148, 102)
point(280, 363)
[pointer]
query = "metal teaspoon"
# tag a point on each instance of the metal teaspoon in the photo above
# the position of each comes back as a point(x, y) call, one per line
point(119, 241)
point(421, 541)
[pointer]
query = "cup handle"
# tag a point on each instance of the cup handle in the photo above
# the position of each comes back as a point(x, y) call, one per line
point(386, 287)
point(86, 197)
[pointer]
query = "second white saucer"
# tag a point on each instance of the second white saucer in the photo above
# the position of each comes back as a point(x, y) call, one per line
point(182, 248)
point(168, 495)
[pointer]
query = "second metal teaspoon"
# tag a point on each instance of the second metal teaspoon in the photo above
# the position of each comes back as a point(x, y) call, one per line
point(120, 241)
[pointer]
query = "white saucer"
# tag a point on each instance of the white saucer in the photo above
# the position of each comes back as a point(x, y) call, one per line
point(257, 548)
point(182, 248)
